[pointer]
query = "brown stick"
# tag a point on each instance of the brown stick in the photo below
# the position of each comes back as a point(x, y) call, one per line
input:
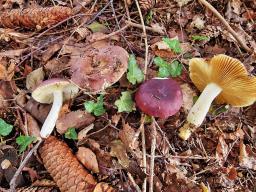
point(225, 23)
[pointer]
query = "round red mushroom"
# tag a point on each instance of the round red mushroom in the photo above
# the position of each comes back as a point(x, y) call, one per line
point(159, 97)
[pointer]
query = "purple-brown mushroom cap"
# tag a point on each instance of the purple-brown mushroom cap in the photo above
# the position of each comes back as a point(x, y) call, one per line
point(159, 97)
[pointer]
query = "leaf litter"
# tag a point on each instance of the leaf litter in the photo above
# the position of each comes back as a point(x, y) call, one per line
point(82, 41)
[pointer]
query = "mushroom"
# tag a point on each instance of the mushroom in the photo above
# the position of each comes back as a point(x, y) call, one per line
point(159, 97)
point(224, 79)
point(53, 91)
point(99, 68)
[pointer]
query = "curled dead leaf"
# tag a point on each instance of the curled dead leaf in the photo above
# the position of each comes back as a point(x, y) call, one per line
point(88, 159)
point(99, 68)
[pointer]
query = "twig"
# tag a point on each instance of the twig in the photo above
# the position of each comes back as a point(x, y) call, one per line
point(133, 182)
point(22, 165)
point(144, 186)
point(152, 159)
point(225, 23)
point(145, 38)
point(147, 27)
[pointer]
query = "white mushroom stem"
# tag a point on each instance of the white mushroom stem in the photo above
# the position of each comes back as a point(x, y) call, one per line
point(52, 117)
point(198, 112)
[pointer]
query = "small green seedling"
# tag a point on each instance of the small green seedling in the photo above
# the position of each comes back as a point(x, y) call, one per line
point(173, 44)
point(24, 141)
point(134, 75)
point(71, 134)
point(96, 108)
point(5, 128)
point(125, 103)
point(167, 69)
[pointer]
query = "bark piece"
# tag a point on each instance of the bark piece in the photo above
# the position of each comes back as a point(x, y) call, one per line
point(67, 172)
point(34, 17)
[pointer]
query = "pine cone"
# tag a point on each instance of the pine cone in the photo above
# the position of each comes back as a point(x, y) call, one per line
point(67, 172)
point(34, 18)
point(147, 4)
point(35, 189)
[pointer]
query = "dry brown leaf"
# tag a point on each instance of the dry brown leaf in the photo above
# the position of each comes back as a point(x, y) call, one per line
point(88, 159)
point(246, 157)
point(83, 133)
point(51, 50)
point(221, 150)
point(32, 125)
point(13, 53)
point(127, 135)
point(188, 95)
point(37, 110)
point(55, 66)
point(118, 150)
point(34, 78)
point(236, 5)
point(7, 72)
point(75, 119)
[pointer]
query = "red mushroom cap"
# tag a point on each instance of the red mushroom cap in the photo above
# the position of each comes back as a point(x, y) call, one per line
point(159, 97)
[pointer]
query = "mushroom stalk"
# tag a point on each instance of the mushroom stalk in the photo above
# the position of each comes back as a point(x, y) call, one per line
point(198, 112)
point(52, 117)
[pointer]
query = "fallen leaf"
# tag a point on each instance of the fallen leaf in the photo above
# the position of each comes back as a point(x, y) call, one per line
point(232, 173)
point(37, 110)
point(221, 150)
point(35, 78)
point(55, 66)
point(50, 51)
point(75, 119)
point(236, 5)
point(188, 95)
point(127, 135)
point(246, 157)
point(13, 53)
point(98, 27)
point(83, 133)
point(88, 159)
point(32, 126)
point(118, 150)
point(7, 72)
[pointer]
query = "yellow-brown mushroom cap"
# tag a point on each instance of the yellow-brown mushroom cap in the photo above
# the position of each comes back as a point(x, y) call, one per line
point(238, 88)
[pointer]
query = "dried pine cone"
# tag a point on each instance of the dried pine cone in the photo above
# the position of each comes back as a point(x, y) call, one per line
point(147, 4)
point(67, 172)
point(36, 189)
point(34, 17)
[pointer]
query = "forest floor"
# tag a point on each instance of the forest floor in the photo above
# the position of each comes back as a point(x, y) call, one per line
point(220, 155)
